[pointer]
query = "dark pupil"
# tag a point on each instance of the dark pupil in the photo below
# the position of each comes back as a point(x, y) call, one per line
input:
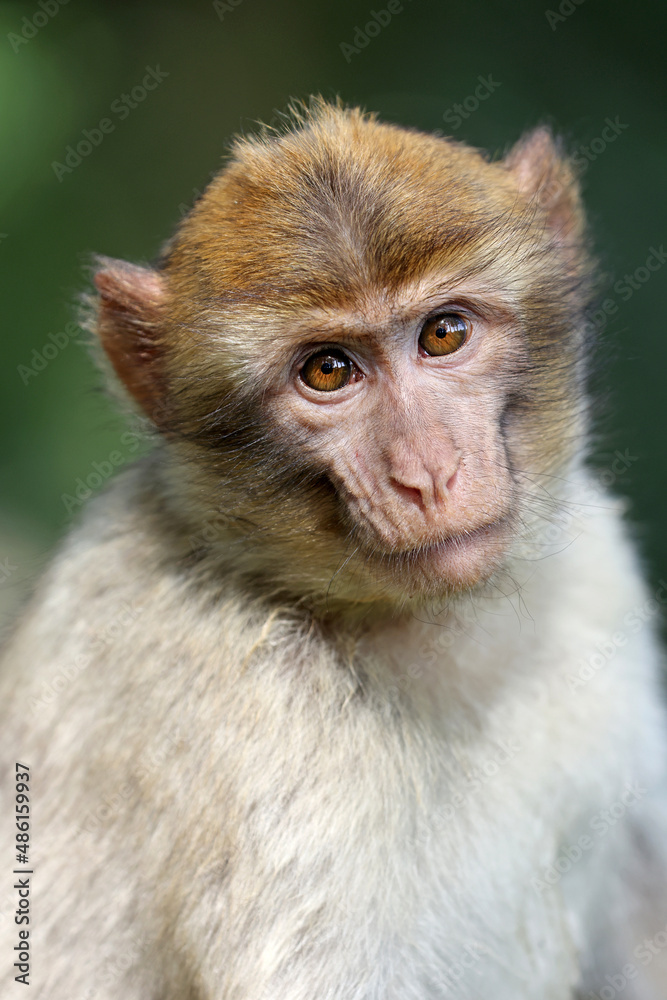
point(441, 332)
point(326, 368)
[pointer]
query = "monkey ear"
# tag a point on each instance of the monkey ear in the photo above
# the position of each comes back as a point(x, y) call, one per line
point(129, 313)
point(545, 176)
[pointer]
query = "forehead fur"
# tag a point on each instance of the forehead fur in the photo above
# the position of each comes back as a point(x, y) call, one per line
point(338, 205)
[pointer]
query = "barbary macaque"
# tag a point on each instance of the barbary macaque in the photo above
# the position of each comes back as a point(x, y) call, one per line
point(349, 689)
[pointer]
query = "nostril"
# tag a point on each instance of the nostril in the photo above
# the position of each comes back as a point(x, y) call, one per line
point(409, 493)
point(452, 480)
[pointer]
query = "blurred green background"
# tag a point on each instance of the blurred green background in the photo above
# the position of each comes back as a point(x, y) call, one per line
point(222, 66)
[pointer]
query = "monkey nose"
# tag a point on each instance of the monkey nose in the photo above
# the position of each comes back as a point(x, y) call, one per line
point(422, 487)
point(413, 494)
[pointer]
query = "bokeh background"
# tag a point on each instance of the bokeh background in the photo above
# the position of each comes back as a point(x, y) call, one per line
point(218, 68)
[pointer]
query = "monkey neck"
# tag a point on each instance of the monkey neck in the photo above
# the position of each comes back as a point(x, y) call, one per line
point(471, 648)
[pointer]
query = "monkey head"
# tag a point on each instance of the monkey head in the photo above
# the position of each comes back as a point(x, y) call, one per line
point(362, 348)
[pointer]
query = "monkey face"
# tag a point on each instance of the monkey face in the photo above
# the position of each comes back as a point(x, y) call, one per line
point(364, 342)
point(400, 405)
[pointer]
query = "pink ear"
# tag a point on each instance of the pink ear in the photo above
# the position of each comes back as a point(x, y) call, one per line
point(128, 325)
point(545, 177)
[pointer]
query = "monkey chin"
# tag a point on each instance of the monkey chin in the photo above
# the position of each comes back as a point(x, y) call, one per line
point(451, 564)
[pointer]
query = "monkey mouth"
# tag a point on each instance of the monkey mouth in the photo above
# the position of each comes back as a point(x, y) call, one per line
point(456, 560)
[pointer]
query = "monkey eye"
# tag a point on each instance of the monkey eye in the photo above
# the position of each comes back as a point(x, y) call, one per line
point(327, 371)
point(444, 334)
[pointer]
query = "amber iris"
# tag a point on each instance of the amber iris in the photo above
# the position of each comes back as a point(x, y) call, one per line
point(327, 371)
point(443, 334)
